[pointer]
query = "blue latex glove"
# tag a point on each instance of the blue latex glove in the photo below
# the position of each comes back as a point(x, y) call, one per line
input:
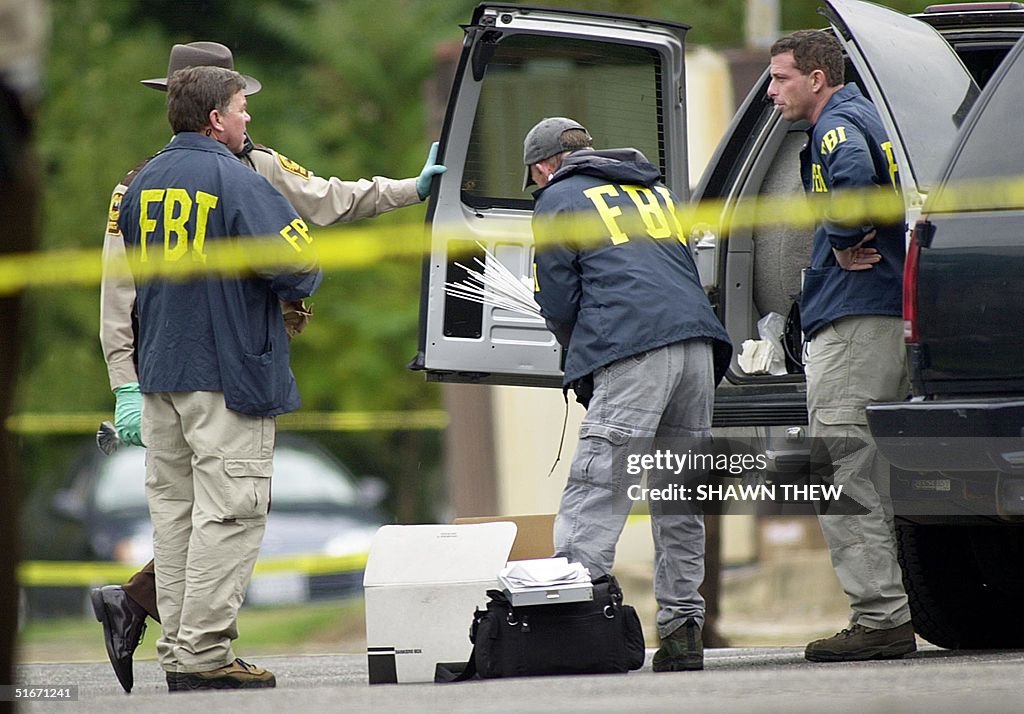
point(128, 413)
point(430, 170)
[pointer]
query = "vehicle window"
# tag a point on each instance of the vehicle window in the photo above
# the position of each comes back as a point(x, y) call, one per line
point(305, 478)
point(998, 127)
point(982, 59)
point(612, 89)
point(122, 481)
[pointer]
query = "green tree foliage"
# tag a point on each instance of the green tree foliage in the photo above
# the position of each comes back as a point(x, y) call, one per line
point(96, 123)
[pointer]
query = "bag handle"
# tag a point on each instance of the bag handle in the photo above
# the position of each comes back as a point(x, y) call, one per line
point(448, 672)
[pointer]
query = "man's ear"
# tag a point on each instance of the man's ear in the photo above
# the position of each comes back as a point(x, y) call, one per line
point(818, 80)
point(215, 120)
point(550, 164)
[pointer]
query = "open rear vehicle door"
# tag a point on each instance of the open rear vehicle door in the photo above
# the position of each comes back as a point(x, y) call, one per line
point(621, 77)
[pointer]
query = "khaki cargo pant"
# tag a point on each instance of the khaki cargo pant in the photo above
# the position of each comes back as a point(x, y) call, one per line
point(208, 475)
point(854, 361)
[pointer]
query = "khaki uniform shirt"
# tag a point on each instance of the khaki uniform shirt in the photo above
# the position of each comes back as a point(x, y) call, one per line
point(322, 201)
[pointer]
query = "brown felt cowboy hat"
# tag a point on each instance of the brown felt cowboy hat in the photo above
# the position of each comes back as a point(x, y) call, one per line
point(201, 54)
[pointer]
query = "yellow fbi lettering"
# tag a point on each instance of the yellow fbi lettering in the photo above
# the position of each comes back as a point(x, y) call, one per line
point(177, 208)
point(829, 143)
point(818, 179)
point(890, 158)
point(295, 231)
point(832, 139)
point(656, 208)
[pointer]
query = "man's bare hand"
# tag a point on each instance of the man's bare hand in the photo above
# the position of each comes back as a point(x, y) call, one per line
point(858, 257)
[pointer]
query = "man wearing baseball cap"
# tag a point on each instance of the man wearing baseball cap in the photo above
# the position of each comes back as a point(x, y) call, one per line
point(618, 287)
point(122, 610)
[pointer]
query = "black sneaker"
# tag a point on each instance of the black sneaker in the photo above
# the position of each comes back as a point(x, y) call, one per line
point(859, 643)
point(681, 651)
point(237, 675)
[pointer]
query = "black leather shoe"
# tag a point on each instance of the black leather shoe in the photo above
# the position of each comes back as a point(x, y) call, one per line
point(124, 623)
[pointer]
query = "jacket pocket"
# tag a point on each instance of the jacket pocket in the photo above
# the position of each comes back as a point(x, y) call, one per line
point(254, 388)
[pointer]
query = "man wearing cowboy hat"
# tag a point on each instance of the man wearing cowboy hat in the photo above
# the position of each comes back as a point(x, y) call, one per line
point(123, 609)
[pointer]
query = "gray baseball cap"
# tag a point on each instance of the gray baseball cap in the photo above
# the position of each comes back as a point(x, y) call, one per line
point(201, 54)
point(544, 140)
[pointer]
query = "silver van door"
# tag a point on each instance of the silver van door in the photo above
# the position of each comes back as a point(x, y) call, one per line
point(621, 77)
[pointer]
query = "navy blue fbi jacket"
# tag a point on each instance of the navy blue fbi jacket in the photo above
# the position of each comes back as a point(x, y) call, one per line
point(222, 333)
point(615, 277)
point(848, 148)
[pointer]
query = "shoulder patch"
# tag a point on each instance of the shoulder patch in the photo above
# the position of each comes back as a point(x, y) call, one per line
point(113, 212)
point(292, 167)
point(130, 176)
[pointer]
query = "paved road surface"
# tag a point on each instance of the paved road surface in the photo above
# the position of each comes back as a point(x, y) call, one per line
point(734, 680)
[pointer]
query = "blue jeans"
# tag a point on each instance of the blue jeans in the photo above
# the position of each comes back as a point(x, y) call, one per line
point(666, 392)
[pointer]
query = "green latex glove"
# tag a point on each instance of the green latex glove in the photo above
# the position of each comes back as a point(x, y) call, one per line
point(128, 413)
point(430, 170)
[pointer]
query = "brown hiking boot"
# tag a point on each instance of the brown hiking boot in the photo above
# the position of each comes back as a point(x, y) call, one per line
point(860, 643)
point(237, 675)
point(681, 651)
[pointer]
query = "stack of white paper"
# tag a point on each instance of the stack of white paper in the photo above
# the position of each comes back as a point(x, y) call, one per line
point(543, 572)
point(545, 580)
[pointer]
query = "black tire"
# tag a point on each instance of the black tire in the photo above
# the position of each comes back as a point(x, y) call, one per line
point(964, 584)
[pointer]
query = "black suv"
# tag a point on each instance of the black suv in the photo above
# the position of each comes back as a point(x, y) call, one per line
point(960, 439)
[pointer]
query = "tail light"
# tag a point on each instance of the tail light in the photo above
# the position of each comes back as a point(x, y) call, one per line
point(920, 237)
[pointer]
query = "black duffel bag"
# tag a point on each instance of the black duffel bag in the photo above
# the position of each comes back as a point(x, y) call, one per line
point(598, 636)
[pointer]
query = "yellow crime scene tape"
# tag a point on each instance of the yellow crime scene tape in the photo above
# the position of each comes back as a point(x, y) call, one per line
point(86, 422)
point(348, 247)
point(65, 573)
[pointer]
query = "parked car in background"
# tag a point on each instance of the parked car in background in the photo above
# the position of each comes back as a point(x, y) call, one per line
point(318, 508)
